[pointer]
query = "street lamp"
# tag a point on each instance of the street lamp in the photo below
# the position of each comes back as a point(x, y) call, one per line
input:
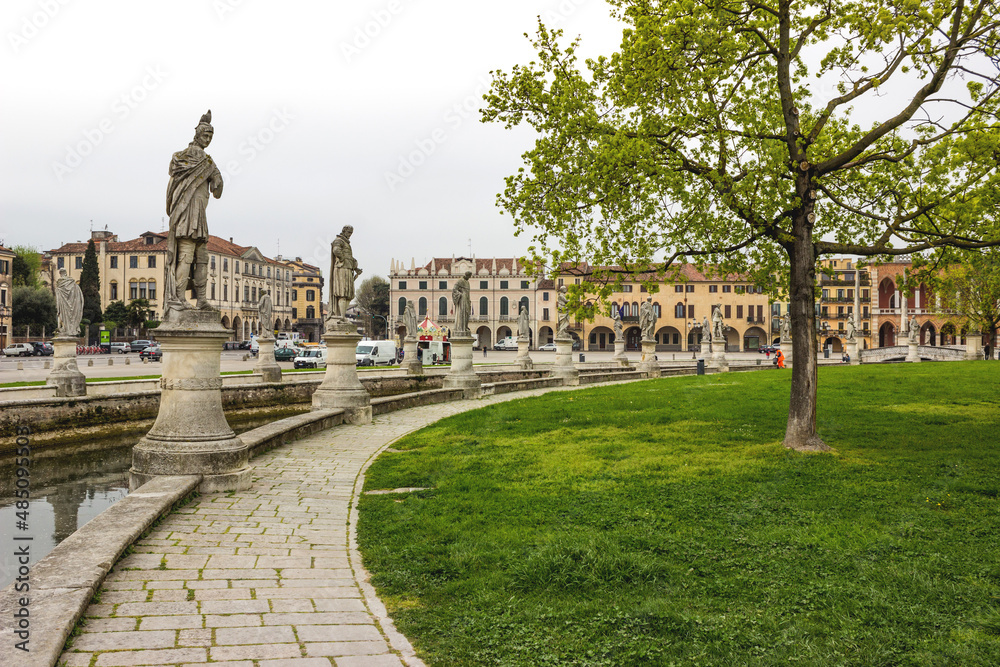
point(386, 323)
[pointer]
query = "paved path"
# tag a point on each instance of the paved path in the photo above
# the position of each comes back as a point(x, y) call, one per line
point(262, 578)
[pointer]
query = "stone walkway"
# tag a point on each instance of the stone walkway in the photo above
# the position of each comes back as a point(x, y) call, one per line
point(261, 578)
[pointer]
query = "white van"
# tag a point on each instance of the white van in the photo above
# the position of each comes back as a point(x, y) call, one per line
point(508, 343)
point(313, 357)
point(375, 353)
point(434, 351)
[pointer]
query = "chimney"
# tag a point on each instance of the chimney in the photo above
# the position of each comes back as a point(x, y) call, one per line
point(230, 239)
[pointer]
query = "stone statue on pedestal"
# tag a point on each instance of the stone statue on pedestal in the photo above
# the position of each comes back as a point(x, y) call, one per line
point(851, 328)
point(523, 327)
point(647, 319)
point(264, 309)
point(461, 296)
point(193, 177)
point(618, 323)
point(786, 327)
point(914, 332)
point(410, 318)
point(718, 328)
point(69, 306)
point(562, 328)
point(343, 272)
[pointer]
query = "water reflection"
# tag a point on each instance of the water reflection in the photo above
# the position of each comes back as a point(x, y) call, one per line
point(68, 489)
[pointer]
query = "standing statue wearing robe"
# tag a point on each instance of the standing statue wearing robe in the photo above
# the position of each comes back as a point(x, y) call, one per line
point(343, 272)
point(562, 328)
point(264, 309)
point(718, 328)
point(461, 297)
point(523, 326)
point(410, 319)
point(647, 319)
point(69, 305)
point(193, 177)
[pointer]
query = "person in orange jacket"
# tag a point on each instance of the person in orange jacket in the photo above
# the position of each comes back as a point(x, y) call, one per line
point(779, 356)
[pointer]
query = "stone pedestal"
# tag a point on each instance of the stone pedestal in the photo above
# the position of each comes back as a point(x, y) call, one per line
point(461, 376)
point(191, 435)
point(410, 361)
point(266, 365)
point(523, 358)
point(719, 361)
point(648, 363)
point(65, 375)
point(851, 346)
point(912, 354)
point(973, 350)
point(620, 353)
point(564, 367)
point(341, 388)
point(786, 349)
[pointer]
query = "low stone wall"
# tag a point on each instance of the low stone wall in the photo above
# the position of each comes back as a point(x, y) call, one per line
point(282, 432)
point(386, 404)
point(521, 385)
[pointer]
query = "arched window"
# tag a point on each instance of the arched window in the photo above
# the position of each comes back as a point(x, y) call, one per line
point(679, 310)
point(114, 291)
point(443, 306)
point(133, 289)
point(635, 309)
point(152, 290)
point(524, 304)
point(402, 305)
point(656, 309)
point(422, 306)
point(484, 306)
point(504, 308)
point(310, 312)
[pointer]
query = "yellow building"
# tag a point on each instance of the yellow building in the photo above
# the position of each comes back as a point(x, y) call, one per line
point(681, 308)
point(307, 299)
point(133, 269)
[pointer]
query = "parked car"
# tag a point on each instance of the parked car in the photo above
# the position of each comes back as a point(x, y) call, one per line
point(19, 350)
point(548, 347)
point(314, 357)
point(769, 348)
point(231, 345)
point(152, 352)
point(245, 344)
point(42, 349)
point(117, 348)
point(577, 344)
point(139, 345)
point(254, 348)
point(285, 353)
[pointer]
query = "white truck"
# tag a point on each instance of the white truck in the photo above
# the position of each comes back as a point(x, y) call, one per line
point(375, 353)
point(434, 351)
point(508, 343)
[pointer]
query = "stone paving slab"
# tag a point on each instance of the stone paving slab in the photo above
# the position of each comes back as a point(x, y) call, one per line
point(266, 577)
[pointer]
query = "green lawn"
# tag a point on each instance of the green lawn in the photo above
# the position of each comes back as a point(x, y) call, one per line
point(662, 522)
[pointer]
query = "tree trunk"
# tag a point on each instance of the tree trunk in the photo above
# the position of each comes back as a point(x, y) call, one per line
point(800, 433)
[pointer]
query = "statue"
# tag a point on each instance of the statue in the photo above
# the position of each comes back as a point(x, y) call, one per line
point(617, 315)
point(523, 330)
point(647, 319)
point(786, 326)
point(718, 328)
point(69, 306)
point(265, 311)
point(562, 328)
point(343, 272)
point(914, 331)
point(193, 176)
point(410, 319)
point(461, 296)
point(851, 328)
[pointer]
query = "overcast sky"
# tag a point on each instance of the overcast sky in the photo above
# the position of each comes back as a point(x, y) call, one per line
point(325, 114)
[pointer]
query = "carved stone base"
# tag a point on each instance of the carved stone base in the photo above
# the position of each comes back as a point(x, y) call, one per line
point(341, 388)
point(65, 375)
point(648, 363)
point(564, 367)
point(191, 435)
point(912, 353)
point(851, 347)
point(523, 358)
point(786, 349)
point(266, 365)
point(972, 349)
point(410, 361)
point(620, 353)
point(719, 361)
point(461, 376)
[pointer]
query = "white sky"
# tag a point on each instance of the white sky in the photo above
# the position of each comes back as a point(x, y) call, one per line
point(333, 113)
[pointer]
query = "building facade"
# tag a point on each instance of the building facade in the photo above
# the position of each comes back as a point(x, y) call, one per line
point(307, 299)
point(845, 289)
point(237, 277)
point(6, 294)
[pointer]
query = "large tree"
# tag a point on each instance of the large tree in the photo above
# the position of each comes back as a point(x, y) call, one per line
point(758, 136)
point(25, 267)
point(372, 297)
point(33, 307)
point(90, 284)
point(969, 285)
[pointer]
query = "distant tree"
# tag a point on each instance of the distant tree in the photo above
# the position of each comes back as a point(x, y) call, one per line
point(25, 267)
point(372, 297)
point(116, 312)
point(90, 285)
point(33, 307)
point(137, 314)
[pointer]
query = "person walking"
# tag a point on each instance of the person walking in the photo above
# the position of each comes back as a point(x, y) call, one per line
point(484, 351)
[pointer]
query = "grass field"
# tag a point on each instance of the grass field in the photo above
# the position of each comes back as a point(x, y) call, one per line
point(662, 523)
